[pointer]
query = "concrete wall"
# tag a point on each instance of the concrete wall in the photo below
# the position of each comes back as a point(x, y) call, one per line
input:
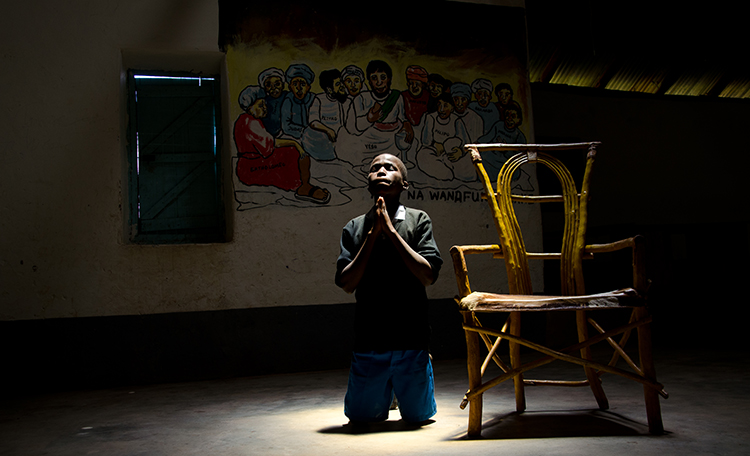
point(64, 248)
point(672, 169)
point(79, 305)
point(63, 253)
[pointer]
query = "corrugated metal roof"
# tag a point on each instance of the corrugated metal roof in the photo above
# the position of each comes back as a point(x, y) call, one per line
point(738, 87)
point(647, 48)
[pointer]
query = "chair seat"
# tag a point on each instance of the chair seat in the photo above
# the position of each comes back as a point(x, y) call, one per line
point(491, 302)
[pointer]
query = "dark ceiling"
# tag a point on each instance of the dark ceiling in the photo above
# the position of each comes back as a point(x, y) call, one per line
point(670, 48)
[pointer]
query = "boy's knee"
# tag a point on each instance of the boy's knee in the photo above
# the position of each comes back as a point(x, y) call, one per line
point(359, 415)
point(417, 418)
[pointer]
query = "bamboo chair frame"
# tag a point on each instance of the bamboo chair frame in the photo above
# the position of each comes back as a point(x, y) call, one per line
point(573, 298)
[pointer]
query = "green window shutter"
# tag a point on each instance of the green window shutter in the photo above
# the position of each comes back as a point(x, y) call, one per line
point(175, 185)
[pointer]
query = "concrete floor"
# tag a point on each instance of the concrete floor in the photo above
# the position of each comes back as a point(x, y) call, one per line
point(301, 414)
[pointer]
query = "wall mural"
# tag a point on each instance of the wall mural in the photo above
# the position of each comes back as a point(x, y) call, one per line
point(312, 110)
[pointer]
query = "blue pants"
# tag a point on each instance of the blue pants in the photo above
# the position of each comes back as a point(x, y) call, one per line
point(375, 377)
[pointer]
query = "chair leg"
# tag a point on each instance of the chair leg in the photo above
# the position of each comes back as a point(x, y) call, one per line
point(474, 366)
point(515, 361)
point(594, 380)
point(653, 406)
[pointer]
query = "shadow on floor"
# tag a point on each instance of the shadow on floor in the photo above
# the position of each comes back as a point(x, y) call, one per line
point(374, 428)
point(554, 424)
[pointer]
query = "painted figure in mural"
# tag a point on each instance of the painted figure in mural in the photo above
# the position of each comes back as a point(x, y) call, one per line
point(504, 94)
point(267, 161)
point(461, 93)
point(482, 90)
point(437, 85)
point(380, 122)
point(388, 256)
point(273, 80)
point(353, 78)
point(296, 104)
point(417, 95)
point(505, 131)
point(326, 117)
point(443, 137)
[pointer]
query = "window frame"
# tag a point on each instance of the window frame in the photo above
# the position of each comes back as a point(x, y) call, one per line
point(139, 232)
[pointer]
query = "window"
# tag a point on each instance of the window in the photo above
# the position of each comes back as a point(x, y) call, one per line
point(174, 166)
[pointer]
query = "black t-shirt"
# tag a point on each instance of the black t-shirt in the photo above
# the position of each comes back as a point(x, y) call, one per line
point(391, 311)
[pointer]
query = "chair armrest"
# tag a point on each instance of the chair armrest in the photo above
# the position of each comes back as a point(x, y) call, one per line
point(458, 254)
point(472, 249)
point(638, 246)
point(611, 246)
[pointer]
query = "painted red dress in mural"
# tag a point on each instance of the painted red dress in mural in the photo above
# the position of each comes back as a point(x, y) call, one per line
point(260, 162)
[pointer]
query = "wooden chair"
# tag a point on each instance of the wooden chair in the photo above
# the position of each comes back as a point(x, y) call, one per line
point(572, 297)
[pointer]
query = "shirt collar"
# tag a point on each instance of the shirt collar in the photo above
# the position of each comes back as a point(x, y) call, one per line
point(400, 213)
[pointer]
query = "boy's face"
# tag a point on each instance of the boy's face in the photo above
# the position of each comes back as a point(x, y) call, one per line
point(385, 178)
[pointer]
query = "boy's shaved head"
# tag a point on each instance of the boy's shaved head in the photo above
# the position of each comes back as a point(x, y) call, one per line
point(399, 164)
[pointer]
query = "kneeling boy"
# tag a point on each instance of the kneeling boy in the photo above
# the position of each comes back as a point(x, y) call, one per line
point(388, 256)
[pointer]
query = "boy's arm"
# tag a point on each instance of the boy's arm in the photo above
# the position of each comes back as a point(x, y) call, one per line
point(416, 263)
point(349, 277)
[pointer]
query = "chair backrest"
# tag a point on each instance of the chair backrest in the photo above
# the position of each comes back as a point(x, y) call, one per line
point(509, 231)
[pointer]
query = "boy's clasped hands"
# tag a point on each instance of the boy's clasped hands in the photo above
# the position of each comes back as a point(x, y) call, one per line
point(382, 223)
